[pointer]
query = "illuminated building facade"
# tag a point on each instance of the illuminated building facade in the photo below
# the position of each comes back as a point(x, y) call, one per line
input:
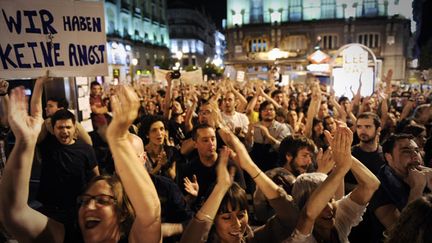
point(260, 32)
point(137, 36)
point(194, 35)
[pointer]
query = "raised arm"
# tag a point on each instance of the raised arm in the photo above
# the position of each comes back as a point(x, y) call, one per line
point(200, 225)
point(167, 99)
point(135, 179)
point(4, 100)
point(242, 102)
point(321, 196)
point(313, 109)
point(189, 113)
point(22, 222)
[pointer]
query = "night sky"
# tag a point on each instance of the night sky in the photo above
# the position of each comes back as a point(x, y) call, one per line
point(215, 8)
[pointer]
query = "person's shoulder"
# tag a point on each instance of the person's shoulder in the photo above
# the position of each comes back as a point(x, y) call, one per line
point(81, 144)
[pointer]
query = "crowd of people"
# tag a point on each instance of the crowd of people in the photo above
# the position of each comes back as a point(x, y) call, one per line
point(218, 162)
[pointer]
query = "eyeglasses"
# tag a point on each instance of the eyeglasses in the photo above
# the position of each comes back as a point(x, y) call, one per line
point(100, 200)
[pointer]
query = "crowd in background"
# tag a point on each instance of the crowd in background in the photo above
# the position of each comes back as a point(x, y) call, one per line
point(218, 162)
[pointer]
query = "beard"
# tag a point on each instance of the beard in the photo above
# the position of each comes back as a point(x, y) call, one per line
point(295, 168)
point(366, 139)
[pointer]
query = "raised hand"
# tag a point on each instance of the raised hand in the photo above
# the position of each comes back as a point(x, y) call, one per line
point(191, 186)
point(124, 105)
point(325, 161)
point(162, 158)
point(24, 126)
point(223, 176)
point(416, 178)
point(4, 85)
point(387, 80)
point(341, 145)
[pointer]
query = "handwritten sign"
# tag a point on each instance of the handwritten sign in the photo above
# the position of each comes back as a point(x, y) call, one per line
point(65, 37)
point(355, 60)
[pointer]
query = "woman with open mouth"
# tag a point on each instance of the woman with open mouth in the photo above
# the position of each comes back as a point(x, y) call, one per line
point(224, 217)
point(124, 209)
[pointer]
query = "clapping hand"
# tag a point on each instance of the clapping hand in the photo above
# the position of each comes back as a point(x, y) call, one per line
point(24, 126)
point(223, 176)
point(124, 105)
point(325, 161)
point(340, 144)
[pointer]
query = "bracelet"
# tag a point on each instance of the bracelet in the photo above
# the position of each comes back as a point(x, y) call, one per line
point(205, 216)
point(259, 173)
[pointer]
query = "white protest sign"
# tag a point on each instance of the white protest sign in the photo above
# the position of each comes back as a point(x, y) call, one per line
point(159, 74)
point(355, 60)
point(192, 77)
point(65, 37)
point(240, 76)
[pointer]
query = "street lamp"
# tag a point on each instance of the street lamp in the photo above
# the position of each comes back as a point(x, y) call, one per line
point(134, 62)
point(179, 56)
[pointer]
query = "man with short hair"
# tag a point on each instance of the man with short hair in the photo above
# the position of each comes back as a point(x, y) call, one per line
point(203, 166)
point(67, 166)
point(295, 158)
point(263, 138)
point(52, 106)
point(278, 96)
point(97, 105)
point(368, 151)
point(403, 179)
point(237, 122)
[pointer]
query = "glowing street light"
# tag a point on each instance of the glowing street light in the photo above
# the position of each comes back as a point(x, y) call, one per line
point(179, 55)
point(275, 53)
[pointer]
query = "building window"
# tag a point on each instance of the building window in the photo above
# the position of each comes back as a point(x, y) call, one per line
point(257, 45)
point(328, 9)
point(370, 8)
point(256, 11)
point(370, 40)
point(295, 10)
point(153, 7)
point(185, 62)
point(295, 43)
point(147, 59)
point(329, 41)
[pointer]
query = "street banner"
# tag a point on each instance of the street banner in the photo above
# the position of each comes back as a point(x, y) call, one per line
point(159, 74)
point(192, 77)
point(65, 37)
